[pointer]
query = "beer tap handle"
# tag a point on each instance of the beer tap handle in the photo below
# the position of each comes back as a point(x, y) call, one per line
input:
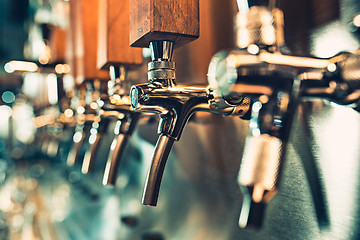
point(84, 29)
point(158, 20)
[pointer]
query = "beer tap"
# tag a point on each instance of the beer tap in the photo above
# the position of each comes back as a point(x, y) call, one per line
point(98, 128)
point(259, 71)
point(85, 118)
point(174, 103)
point(83, 32)
point(119, 106)
point(115, 55)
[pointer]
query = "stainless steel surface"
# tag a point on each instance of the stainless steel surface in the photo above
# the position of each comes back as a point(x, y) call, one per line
point(339, 83)
point(97, 133)
point(161, 71)
point(161, 50)
point(153, 180)
point(80, 139)
point(123, 130)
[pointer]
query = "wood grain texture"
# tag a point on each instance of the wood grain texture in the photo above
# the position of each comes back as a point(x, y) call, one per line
point(174, 20)
point(113, 36)
point(89, 13)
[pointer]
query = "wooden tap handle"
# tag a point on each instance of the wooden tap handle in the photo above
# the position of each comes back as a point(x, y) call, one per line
point(113, 36)
point(58, 44)
point(172, 20)
point(85, 24)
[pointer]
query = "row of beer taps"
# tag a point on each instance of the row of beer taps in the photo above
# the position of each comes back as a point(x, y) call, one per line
point(255, 82)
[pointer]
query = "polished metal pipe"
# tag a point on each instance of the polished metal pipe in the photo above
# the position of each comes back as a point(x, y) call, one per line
point(339, 82)
point(123, 130)
point(161, 50)
point(80, 137)
point(97, 133)
point(155, 173)
point(117, 148)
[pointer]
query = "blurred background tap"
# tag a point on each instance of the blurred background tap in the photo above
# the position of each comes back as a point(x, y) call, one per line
point(116, 55)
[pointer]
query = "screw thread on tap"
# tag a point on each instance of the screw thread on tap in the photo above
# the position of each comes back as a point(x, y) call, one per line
point(161, 69)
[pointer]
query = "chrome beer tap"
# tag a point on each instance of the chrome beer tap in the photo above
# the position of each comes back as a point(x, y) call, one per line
point(258, 70)
point(116, 56)
point(98, 127)
point(118, 106)
point(275, 83)
point(174, 104)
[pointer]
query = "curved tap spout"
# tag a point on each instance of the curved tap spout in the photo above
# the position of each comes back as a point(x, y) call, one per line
point(123, 130)
point(97, 133)
point(174, 106)
point(81, 135)
point(118, 105)
point(153, 180)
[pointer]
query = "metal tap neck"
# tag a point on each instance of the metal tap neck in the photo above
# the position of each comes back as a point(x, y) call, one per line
point(161, 68)
point(118, 84)
point(161, 50)
point(117, 73)
point(261, 26)
point(244, 5)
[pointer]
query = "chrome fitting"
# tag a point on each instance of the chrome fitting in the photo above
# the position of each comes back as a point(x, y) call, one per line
point(260, 26)
point(118, 85)
point(161, 71)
